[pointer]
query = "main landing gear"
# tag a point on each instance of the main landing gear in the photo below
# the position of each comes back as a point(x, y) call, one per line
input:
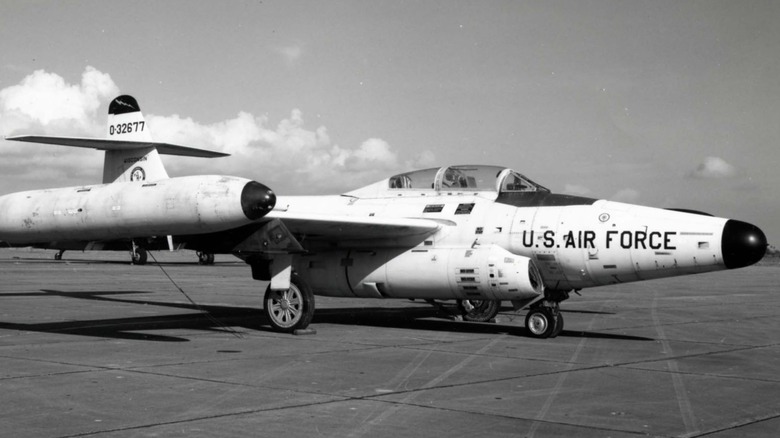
point(291, 309)
point(479, 310)
point(205, 258)
point(59, 254)
point(544, 319)
point(544, 322)
point(138, 255)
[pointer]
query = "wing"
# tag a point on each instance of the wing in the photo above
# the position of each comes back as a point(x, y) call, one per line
point(115, 145)
point(327, 227)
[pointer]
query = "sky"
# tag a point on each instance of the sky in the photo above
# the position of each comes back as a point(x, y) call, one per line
point(671, 104)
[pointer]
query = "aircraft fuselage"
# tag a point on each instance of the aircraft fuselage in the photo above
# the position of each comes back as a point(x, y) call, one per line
point(574, 242)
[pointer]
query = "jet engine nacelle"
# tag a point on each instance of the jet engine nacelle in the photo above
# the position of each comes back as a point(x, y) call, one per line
point(435, 273)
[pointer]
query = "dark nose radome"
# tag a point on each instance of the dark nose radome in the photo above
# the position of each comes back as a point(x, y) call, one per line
point(742, 244)
point(257, 200)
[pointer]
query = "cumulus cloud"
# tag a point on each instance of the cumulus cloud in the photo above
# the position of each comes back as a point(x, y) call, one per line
point(44, 103)
point(290, 156)
point(714, 167)
point(44, 99)
point(375, 153)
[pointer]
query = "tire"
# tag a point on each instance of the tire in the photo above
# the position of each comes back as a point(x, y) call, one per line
point(139, 256)
point(540, 322)
point(289, 310)
point(481, 310)
point(205, 258)
point(558, 325)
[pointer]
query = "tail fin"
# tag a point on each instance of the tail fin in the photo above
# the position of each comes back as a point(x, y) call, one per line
point(131, 155)
point(126, 122)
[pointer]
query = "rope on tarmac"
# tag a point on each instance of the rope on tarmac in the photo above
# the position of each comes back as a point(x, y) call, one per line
point(197, 306)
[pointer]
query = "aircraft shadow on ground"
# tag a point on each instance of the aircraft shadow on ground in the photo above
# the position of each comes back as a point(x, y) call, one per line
point(220, 318)
point(136, 328)
point(119, 262)
point(435, 320)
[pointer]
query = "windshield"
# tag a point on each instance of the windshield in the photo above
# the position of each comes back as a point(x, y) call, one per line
point(465, 179)
point(468, 178)
point(418, 179)
point(514, 182)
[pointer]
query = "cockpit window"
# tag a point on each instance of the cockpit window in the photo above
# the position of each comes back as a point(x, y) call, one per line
point(419, 179)
point(465, 179)
point(514, 182)
point(468, 178)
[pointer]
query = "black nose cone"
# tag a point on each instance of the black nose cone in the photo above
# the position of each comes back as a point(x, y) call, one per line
point(742, 244)
point(257, 200)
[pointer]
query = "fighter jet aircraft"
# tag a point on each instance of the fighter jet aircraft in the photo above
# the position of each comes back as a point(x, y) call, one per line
point(138, 207)
point(482, 234)
point(476, 234)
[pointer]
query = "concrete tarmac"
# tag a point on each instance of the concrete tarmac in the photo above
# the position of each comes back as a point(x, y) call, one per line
point(91, 346)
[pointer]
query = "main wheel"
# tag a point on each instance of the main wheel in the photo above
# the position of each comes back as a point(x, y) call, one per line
point(479, 310)
point(558, 325)
point(205, 258)
point(540, 322)
point(58, 256)
point(291, 309)
point(138, 257)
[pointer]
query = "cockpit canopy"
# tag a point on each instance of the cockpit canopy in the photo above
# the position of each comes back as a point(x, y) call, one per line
point(465, 179)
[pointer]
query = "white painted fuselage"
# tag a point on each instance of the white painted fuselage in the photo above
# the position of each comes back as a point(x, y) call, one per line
point(574, 246)
point(497, 243)
point(124, 210)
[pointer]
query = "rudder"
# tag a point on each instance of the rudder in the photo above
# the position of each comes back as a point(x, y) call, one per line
point(126, 122)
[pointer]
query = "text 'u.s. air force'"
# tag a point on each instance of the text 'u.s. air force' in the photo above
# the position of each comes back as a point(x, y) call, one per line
point(629, 239)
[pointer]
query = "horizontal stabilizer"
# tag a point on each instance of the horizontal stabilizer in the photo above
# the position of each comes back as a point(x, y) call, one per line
point(120, 145)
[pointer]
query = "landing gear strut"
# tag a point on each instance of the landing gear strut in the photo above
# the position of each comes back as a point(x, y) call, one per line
point(59, 254)
point(138, 256)
point(291, 309)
